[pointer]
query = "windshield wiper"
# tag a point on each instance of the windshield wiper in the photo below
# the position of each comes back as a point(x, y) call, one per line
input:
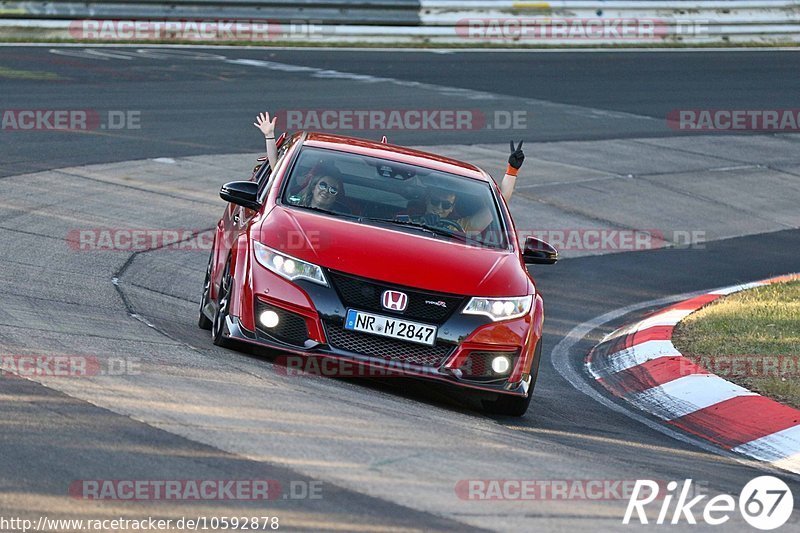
point(434, 230)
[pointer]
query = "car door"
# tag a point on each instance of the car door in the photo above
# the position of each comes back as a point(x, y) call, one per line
point(233, 221)
point(236, 219)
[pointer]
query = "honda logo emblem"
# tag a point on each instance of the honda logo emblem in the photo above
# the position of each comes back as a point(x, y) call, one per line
point(394, 300)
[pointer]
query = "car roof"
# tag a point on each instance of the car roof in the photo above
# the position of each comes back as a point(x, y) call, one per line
point(393, 152)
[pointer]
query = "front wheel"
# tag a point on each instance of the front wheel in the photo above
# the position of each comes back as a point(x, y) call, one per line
point(203, 322)
point(223, 304)
point(506, 405)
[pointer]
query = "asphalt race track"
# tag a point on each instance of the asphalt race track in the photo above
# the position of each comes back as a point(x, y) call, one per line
point(387, 454)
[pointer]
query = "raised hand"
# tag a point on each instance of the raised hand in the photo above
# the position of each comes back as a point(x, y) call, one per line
point(517, 157)
point(264, 124)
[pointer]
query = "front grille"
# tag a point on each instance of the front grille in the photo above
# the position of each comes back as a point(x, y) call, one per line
point(388, 349)
point(291, 327)
point(366, 294)
point(478, 365)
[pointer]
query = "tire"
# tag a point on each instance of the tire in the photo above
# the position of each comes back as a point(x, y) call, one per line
point(203, 322)
point(506, 405)
point(223, 304)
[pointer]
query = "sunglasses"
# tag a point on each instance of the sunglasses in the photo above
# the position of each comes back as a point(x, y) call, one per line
point(330, 189)
point(444, 204)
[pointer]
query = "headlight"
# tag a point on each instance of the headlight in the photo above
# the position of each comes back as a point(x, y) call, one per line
point(499, 308)
point(287, 266)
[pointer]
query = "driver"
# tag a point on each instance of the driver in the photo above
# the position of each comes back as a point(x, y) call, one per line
point(440, 203)
point(439, 206)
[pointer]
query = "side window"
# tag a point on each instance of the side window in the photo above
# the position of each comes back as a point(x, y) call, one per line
point(261, 173)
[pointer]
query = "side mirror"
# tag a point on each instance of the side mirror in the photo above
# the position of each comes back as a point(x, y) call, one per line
point(538, 252)
point(243, 193)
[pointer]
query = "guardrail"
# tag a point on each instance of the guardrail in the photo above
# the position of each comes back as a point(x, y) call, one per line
point(461, 22)
point(383, 12)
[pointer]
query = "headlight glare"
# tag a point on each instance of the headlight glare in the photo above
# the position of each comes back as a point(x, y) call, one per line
point(499, 308)
point(286, 266)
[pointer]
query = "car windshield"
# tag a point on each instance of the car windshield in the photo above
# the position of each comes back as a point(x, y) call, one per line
point(408, 197)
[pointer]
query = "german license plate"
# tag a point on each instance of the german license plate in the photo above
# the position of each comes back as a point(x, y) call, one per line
point(394, 328)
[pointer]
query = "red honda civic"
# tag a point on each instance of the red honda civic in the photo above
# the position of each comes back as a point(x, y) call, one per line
point(380, 256)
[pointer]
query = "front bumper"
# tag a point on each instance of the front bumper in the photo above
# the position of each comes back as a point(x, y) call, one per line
point(313, 315)
point(358, 365)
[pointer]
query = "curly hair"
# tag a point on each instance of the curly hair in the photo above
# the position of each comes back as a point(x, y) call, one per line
point(315, 175)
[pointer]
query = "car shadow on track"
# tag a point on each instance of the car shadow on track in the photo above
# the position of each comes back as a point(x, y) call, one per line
point(439, 395)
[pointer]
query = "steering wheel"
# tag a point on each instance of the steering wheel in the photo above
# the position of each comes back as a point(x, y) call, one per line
point(446, 223)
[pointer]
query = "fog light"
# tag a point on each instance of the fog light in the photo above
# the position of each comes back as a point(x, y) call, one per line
point(270, 319)
point(501, 364)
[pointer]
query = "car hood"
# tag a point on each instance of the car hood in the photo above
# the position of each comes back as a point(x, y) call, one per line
point(385, 254)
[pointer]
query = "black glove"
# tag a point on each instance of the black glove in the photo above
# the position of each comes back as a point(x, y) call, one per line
point(430, 219)
point(517, 157)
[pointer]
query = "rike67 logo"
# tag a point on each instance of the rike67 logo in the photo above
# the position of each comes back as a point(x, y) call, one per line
point(765, 503)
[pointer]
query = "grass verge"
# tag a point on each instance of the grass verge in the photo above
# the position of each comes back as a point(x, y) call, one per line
point(751, 338)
